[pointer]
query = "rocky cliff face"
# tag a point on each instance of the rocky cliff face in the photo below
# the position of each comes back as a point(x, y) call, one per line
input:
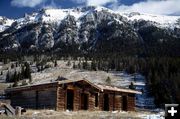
point(91, 29)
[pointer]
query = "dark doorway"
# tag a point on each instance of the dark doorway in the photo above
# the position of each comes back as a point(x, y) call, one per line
point(70, 98)
point(37, 100)
point(96, 100)
point(124, 103)
point(84, 101)
point(106, 102)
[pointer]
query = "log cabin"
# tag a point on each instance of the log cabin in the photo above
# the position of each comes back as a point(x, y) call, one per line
point(79, 94)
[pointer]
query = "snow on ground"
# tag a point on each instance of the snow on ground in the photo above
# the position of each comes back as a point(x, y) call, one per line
point(119, 79)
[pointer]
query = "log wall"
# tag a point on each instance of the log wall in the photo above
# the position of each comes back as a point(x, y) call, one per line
point(101, 101)
point(61, 99)
point(34, 99)
point(77, 98)
point(111, 102)
point(131, 103)
point(115, 101)
point(91, 104)
point(47, 99)
point(25, 99)
point(118, 102)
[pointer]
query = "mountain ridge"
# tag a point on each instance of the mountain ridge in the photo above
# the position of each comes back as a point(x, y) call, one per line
point(51, 15)
point(90, 29)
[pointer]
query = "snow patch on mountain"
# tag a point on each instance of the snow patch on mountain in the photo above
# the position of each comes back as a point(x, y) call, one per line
point(5, 23)
point(159, 20)
point(56, 15)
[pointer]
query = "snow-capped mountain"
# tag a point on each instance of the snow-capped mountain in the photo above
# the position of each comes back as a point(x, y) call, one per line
point(5, 23)
point(50, 15)
point(87, 29)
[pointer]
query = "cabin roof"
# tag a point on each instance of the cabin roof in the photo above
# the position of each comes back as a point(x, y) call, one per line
point(77, 80)
point(57, 82)
point(117, 89)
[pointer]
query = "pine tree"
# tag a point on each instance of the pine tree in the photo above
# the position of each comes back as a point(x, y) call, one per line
point(93, 66)
point(19, 76)
point(112, 64)
point(28, 71)
point(16, 64)
point(55, 63)
point(85, 65)
point(12, 66)
point(74, 65)
point(108, 80)
point(15, 84)
point(30, 79)
point(38, 68)
point(131, 86)
point(99, 65)
point(41, 67)
point(6, 61)
point(8, 77)
point(22, 72)
point(68, 63)
point(15, 78)
point(79, 64)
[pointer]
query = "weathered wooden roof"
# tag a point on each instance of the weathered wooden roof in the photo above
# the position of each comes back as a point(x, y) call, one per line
point(97, 86)
point(117, 89)
point(29, 87)
point(77, 80)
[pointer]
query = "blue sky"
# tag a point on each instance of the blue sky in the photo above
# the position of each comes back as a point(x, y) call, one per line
point(17, 8)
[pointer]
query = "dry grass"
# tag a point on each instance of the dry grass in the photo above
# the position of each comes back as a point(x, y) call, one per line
point(3, 86)
point(51, 114)
point(66, 71)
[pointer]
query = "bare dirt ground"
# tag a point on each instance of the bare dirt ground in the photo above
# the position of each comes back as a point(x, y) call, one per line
point(51, 114)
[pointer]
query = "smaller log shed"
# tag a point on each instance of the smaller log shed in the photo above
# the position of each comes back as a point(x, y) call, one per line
point(72, 95)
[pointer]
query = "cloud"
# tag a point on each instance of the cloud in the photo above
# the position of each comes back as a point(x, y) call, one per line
point(26, 3)
point(164, 7)
point(99, 2)
point(52, 4)
point(95, 2)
